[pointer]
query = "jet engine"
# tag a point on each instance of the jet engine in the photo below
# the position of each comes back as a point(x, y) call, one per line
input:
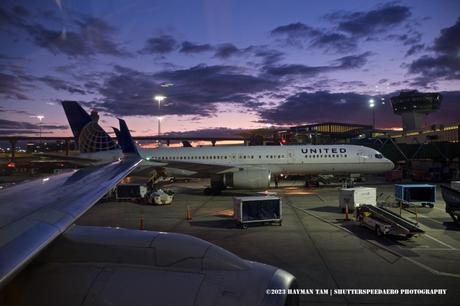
point(112, 266)
point(245, 179)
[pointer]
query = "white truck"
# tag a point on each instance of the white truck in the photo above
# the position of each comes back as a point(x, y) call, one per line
point(355, 197)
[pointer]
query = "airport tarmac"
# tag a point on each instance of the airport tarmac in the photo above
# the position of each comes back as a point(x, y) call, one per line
point(314, 243)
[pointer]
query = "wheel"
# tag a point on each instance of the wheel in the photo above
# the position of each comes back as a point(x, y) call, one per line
point(431, 205)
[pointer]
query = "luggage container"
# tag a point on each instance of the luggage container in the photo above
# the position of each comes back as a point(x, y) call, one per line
point(131, 192)
point(416, 194)
point(257, 210)
point(354, 197)
point(455, 185)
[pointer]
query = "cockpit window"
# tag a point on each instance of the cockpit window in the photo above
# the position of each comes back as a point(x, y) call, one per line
point(378, 156)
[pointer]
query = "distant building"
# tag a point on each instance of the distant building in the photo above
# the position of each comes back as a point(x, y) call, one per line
point(323, 133)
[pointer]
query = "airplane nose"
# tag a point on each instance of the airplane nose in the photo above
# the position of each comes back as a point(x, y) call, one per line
point(389, 165)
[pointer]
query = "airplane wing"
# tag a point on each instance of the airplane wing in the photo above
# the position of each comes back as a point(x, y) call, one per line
point(64, 158)
point(34, 213)
point(203, 169)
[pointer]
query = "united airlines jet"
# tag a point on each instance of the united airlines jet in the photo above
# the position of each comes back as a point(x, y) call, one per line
point(244, 167)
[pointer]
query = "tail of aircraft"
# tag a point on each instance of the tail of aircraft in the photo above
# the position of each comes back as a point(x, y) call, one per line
point(89, 136)
point(125, 140)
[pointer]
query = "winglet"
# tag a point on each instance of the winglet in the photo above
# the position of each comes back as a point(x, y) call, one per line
point(117, 133)
point(126, 141)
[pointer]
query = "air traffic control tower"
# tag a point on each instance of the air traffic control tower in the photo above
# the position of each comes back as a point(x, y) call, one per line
point(413, 106)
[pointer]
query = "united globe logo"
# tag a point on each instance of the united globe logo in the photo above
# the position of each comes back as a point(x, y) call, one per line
point(94, 139)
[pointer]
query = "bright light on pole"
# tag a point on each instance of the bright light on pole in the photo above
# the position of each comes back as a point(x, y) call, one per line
point(372, 105)
point(159, 99)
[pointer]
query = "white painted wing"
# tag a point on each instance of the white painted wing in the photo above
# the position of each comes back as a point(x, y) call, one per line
point(34, 213)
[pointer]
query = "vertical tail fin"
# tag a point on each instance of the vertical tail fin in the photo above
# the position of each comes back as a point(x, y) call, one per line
point(89, 136)
point(126, 141)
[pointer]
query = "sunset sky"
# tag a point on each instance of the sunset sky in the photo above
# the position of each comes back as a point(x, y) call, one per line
point(223, 64)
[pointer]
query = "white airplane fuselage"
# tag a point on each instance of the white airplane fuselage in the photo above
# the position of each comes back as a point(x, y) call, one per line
point(293, 160)
point(289, 160)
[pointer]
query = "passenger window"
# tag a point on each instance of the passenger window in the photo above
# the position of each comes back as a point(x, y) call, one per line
point(379, 156)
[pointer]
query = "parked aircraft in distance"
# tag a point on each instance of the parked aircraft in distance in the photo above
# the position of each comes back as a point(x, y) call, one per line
point(90, 265)
point(246, 167)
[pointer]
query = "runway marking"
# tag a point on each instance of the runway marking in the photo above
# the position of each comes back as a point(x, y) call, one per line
point(426, 217)
point(440, 242)
point(419, 264)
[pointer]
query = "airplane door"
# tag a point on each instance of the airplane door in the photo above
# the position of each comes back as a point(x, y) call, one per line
point(291, 153)
point(362, 157)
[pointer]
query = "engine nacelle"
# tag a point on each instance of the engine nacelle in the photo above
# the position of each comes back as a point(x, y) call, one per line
point(248, 179)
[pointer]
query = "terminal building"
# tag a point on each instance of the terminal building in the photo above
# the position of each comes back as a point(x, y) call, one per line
point(421, 152)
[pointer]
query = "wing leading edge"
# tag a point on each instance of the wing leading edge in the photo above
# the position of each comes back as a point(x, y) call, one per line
point(33, 214)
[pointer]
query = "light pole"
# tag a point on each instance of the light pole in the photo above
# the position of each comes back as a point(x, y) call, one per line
point(159, 99)
point(159, 125)
point(40, 117)
point(372, 105)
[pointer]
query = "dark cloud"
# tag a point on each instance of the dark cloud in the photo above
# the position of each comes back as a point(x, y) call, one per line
point(27, 126)
point(267, 55)
point(317, 107)
point(364, 24)
point(299, 34)
point(21, 11)
point(343, 63)
point(87, 36)
point(444, 64)
point(211, 132)
point(449, 40)
point(411, 39)
point(15, 111)
point(417, 48)
point(60, 84)
point(189, 47)
point(227, 50)
point(295, 33)
point(353, 107)
point(196, 90)
point(14, 86)
point(160, 45)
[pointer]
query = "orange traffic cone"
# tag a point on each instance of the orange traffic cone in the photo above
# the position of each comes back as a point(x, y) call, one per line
point(188, 214)
point(141, 223)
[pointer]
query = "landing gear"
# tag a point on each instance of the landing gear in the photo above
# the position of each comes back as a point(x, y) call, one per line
point(212, 191)
point(311, 181)
point(349, 182)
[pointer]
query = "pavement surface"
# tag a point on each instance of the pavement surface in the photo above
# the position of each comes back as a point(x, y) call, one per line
point(315, 242)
